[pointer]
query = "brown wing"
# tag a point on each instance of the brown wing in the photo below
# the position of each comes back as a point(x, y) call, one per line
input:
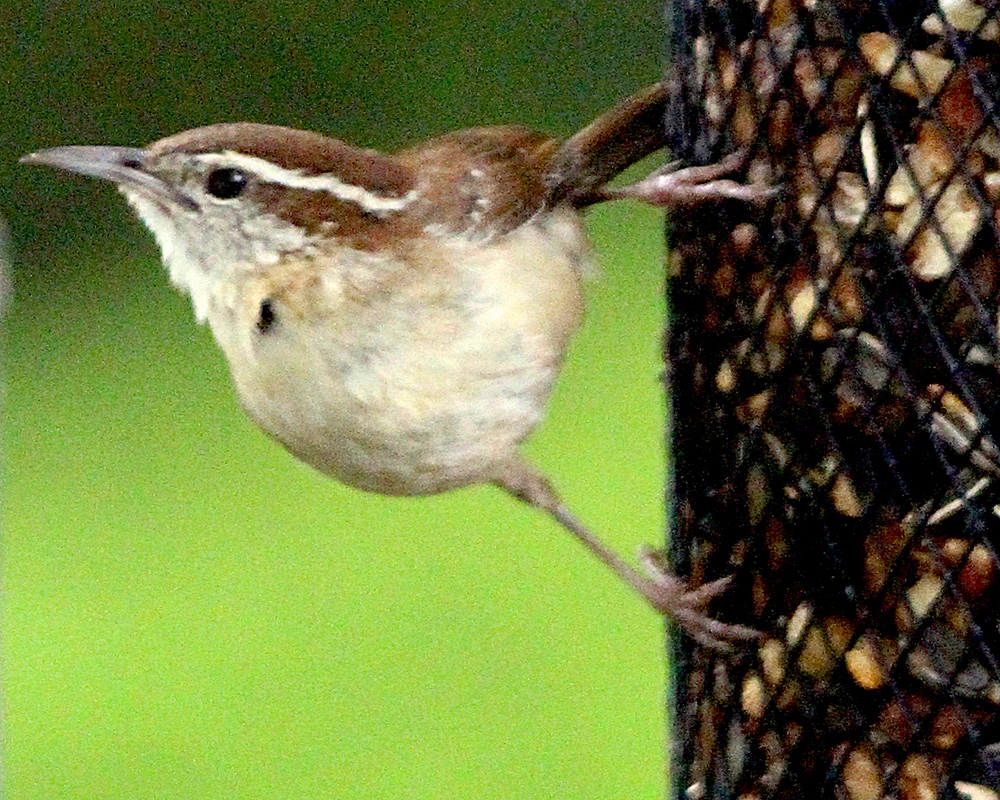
point(487, 181)
point(481, 181)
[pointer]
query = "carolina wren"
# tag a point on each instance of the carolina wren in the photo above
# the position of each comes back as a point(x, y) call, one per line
point(397, 321)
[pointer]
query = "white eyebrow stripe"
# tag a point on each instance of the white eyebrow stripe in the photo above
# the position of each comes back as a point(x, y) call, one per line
point(295, 179)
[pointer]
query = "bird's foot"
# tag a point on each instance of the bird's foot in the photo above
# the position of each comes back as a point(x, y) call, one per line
point(670, 595)
point(673, 186)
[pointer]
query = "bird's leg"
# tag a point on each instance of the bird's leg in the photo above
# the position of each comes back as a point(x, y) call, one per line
point(665, 592)
point(671, 186)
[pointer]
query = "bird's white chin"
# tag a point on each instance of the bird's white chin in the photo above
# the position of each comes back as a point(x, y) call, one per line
point(187, 271)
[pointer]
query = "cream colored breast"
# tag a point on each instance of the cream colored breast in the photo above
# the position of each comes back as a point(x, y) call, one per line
point(419, 383)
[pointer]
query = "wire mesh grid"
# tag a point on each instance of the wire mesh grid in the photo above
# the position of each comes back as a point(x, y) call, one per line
point(834, 368)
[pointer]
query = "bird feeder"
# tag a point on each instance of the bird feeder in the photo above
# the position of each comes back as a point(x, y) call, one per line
point(834, 373)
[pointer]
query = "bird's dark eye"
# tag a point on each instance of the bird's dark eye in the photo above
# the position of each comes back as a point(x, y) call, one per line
point(226, 183)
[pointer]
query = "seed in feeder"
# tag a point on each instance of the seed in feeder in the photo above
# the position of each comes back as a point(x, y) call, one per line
point(846, 297)
point(948, 728)
point(797, 624)
point(863, 665)
point(919, 76)
point(917, 780)
point(804, 303)
point(953, 550)
point(861, 777)
point(808, 79)
point(928, 160)
point(725, 378)
point(828, 149)
point(975, 791)
point(772, 661)
point(962, 15)
point(869, 154)
point(815, 660)
point(934, 253)
point(753, 696)
point(743, 237)
point(991, 184)
point(976, 575)
point(845, 499)
point(924, 593)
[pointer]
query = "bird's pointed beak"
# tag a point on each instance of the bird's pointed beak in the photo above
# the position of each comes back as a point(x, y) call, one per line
point(123, 166)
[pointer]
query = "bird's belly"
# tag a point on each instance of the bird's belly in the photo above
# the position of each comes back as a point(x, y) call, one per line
point(428, 383)
point(400, 424)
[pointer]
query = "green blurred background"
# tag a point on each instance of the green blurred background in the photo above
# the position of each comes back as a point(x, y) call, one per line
point(187, 612)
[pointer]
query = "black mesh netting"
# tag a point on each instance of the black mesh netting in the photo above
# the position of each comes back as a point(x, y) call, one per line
point(834, 366)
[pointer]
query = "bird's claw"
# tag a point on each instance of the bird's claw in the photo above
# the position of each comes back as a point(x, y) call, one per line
point(672, 185)
point(669, 595)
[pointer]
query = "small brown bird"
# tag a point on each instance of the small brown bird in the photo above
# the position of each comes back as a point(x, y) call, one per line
point(397, 321)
